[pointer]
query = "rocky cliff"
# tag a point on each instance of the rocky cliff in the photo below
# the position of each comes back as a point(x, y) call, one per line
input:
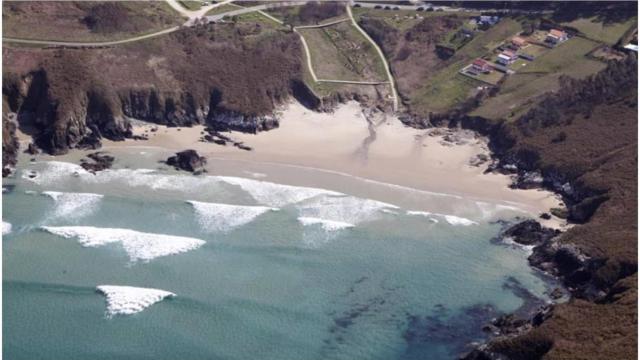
point(581, 143)
point(227, 76)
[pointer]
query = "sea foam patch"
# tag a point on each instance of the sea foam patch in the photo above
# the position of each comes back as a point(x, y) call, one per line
point(127, 300)
point(224, 217)
point(73, 205)
point(327, 225)
point(55, 172)
point(451, 219)
point(139, 246)
point(345, 209)
point(273, 194)
point(6, 228)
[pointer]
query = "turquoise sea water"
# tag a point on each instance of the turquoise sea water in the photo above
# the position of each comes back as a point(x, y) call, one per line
point(375, 283)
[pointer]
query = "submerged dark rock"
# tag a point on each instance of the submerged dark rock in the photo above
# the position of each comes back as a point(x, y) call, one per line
point(187, 160)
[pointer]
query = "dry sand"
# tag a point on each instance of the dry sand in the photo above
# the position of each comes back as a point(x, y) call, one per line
point(343, 142)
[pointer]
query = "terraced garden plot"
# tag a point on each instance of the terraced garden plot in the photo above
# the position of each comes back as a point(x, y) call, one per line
point(339, 52)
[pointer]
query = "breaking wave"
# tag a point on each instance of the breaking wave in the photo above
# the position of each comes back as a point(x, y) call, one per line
point(273, 194)
point(345, 209)
point(451, 219)
point(74, 205)
point(327, 225)
point(138, 245)
point(127, 300)
point(223, 217)
point(6, 228)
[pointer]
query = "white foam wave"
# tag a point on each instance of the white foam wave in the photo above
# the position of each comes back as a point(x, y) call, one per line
point(273, 194)
point(127, 300)
point(451, 219)
point(74, 205)
point(138, 245)
point(508, 240)
point(327, 225)
point(266, 193)
point(456, 220)
point(56, 172)
point(419, 213)
point(223, 217)
point(346, 209)
point(491, 210)
point(6, 228)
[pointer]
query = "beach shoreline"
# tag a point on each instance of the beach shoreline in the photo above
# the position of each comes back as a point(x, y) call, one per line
point(323, 149)
point(377, 149)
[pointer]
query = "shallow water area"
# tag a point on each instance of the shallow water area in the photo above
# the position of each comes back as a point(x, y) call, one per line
point(288, 262)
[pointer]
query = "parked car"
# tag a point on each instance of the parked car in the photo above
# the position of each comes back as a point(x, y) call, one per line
point(387, 7)
point(396, 8)
point(357, 5)
point(429, 9)
point(377, 7)
point(420, 9)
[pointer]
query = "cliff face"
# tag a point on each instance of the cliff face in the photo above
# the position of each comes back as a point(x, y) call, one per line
point(228, 76)
point(581, 143)
point(10, 145)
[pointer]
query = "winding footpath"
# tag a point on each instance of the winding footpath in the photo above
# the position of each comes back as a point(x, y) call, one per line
point(193, 16)
point(394, 93)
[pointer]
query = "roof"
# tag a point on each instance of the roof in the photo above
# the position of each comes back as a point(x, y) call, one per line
point(557, 33)
point(509, 53)
point(503, 56)
point(518, 40)
point(480, 63)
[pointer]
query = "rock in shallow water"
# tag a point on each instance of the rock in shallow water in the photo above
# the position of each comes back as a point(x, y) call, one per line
point(187, 160)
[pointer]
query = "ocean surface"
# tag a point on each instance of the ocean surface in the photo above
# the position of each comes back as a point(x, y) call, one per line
point(247, 262)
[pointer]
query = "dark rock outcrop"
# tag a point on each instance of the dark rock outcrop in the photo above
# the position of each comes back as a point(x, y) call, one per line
point(187, 160)
point(530, 232)
point(97, 161)
point(10, 146)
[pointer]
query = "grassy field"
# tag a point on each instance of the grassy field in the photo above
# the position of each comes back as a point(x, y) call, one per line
point(448, 87)
point(403, 19)
point(598, 31)
point(539, 76)
point(191, 5)
point(62, 20)
point(340, 52)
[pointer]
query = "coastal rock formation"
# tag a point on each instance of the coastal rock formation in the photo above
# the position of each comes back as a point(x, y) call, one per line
point(596, 176)
point(98, 161)
point(530, 232)
point(209, 75)
point(10, 145)
point(187, 160)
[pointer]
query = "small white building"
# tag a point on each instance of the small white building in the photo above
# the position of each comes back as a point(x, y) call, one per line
point(556, 36)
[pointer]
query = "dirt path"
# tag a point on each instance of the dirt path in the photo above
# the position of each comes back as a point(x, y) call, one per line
point(394, 94)
point(90, 44)
point(194, 15)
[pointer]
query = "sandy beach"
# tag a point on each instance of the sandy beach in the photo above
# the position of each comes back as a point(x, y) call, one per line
point(381, 150)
